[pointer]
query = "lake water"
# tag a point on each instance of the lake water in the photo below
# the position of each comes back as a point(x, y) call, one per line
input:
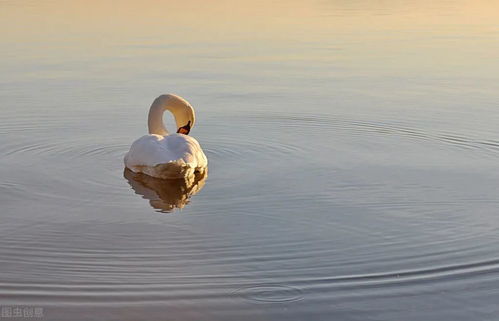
point(353, 152)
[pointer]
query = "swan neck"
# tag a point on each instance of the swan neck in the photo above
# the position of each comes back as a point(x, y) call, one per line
point(179, 107)
point(155, 118)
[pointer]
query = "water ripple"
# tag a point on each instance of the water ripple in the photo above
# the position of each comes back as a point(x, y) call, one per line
point(329, 124)
point(270, 293)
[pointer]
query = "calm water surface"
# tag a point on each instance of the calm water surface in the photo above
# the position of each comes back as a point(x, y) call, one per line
point(353, 154)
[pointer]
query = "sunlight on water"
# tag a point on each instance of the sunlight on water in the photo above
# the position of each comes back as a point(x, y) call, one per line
point(353, 150)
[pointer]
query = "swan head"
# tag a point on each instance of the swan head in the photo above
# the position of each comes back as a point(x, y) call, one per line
point(183, 113)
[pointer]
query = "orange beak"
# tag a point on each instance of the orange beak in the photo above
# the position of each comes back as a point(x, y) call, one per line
point(183, 130)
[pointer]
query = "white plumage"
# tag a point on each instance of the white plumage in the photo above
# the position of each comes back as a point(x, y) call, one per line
point(165, 155)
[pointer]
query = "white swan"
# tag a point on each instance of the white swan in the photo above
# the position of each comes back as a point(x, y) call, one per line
point(165, 155)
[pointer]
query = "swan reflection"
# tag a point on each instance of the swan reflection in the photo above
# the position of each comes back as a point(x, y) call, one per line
point(165, 195)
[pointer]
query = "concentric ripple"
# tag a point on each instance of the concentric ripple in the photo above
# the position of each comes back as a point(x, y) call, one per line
point(270, 293)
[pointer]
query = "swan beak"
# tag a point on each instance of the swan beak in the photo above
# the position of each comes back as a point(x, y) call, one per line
point(185, 129)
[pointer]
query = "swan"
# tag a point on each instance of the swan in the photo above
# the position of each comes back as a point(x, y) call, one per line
point(164, 155)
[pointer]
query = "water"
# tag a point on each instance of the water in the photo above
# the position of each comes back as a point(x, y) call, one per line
point(353, 156)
